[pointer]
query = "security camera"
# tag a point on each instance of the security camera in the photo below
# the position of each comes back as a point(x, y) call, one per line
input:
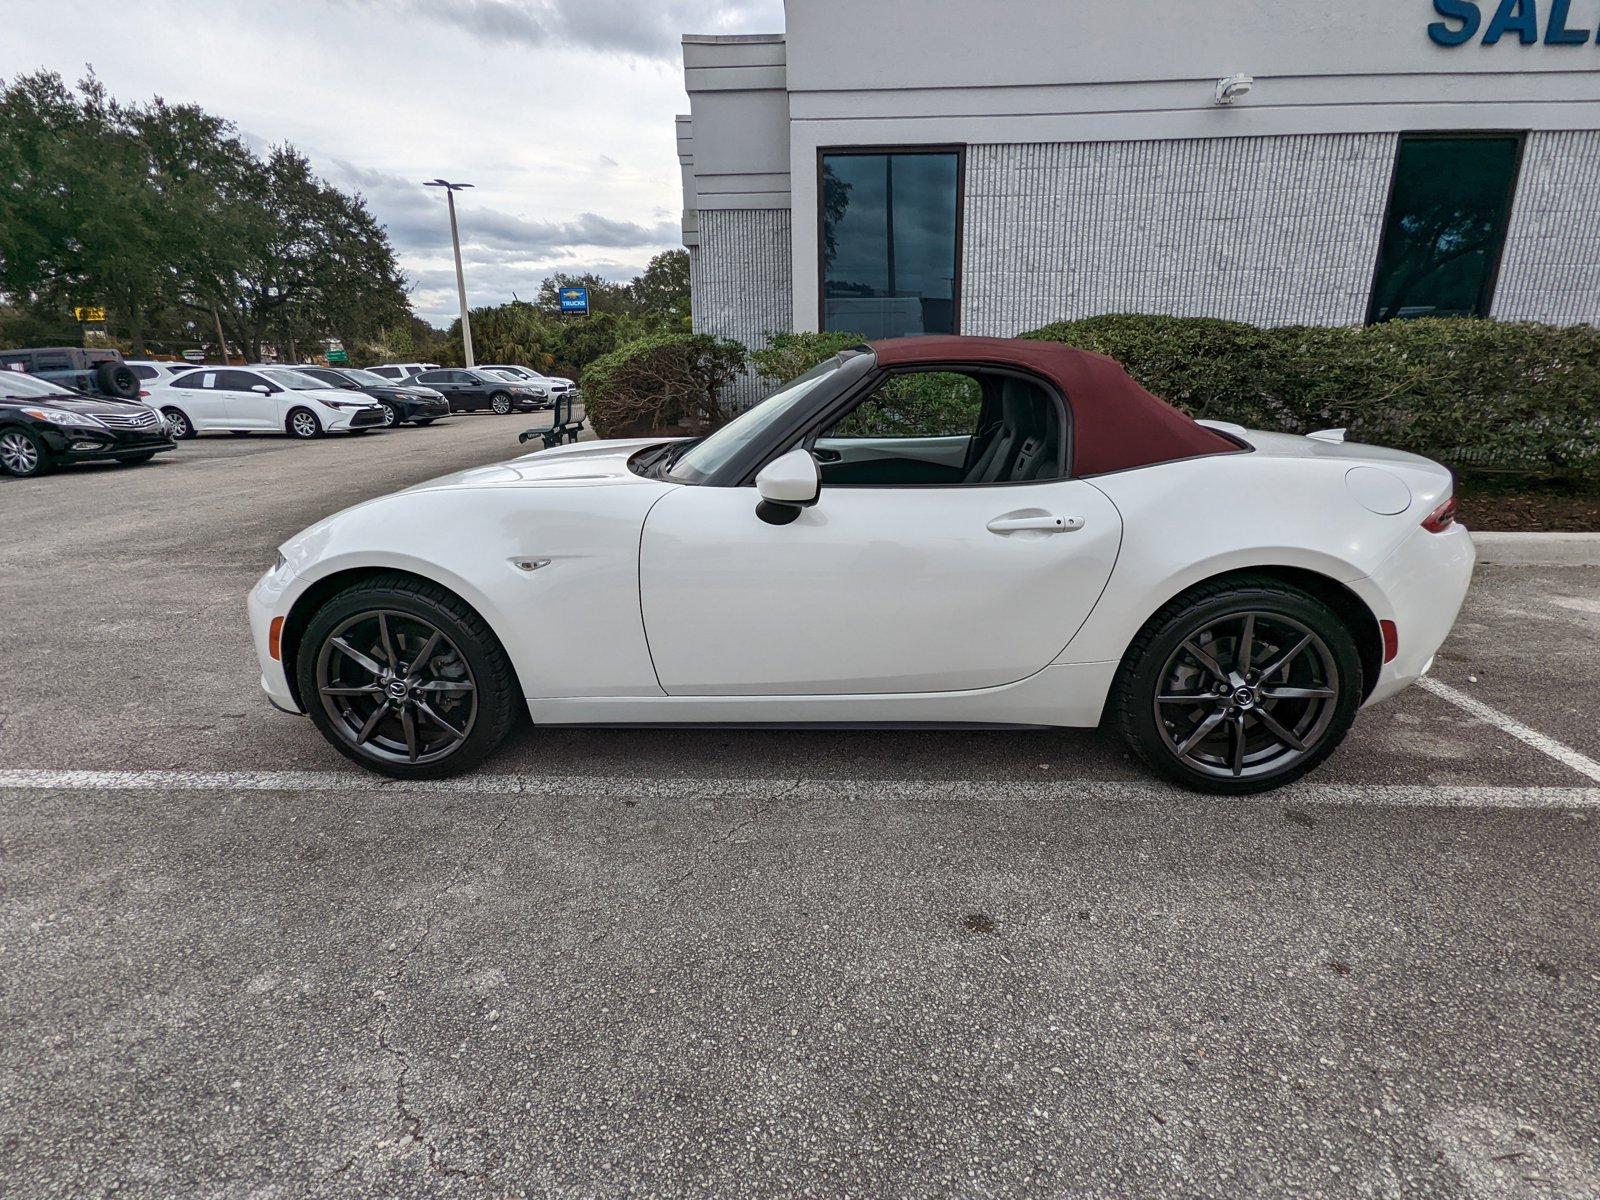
point(1234, 86)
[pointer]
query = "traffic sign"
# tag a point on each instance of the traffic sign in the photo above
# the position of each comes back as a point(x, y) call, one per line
point(575, 300)
point(90, 315)
point(338, 356)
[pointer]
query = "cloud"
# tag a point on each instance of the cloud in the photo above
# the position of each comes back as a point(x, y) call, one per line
point(644, 30)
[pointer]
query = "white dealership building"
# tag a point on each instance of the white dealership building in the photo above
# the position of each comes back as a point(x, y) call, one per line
point(894, 167)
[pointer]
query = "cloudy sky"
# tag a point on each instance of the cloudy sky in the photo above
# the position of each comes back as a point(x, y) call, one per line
point(559, 111)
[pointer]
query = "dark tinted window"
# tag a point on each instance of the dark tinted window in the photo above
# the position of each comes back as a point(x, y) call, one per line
point(431, 377)
point(889, 243)
point(237, 381)
point(1448, 209)
point(193, 379)
point(332, 378)
point(144, 372)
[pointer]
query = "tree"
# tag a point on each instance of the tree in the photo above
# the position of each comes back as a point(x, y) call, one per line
point(661, 293)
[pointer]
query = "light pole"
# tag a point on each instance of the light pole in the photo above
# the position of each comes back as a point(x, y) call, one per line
point(450, 190)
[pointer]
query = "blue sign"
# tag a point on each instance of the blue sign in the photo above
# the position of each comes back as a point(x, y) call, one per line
point(1518, 18)
point(574, 299)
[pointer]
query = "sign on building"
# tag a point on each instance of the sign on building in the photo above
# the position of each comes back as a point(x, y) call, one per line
point(90, 315)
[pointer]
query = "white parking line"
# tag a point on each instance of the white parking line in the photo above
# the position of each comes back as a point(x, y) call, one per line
point(602, 787)
point(1581, 763)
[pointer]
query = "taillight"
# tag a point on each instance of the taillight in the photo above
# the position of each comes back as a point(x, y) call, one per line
point(143, 393)
point(1391, 640)
point(1442, 517)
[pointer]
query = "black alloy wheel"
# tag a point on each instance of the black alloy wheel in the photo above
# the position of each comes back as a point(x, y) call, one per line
point(405, 679)
point(178, 423)
point(500, 402)
point(21, 454)
point(1240, 690)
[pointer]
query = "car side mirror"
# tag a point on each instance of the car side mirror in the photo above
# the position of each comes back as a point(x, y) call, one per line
point(787, 485)
point(262, 388)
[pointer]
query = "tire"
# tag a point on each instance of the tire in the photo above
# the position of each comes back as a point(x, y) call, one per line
point(22, 454)
point(1188, 705)
point(500, 402)
point(391, 415)
point(117, 379)
point(133, 460)
point(370, 728)
point(180, 425)
point(302, 423)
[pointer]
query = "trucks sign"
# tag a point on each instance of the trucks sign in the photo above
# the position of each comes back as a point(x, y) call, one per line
point(575, 300)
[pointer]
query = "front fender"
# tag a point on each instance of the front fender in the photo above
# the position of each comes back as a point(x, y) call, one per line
point(571, 625)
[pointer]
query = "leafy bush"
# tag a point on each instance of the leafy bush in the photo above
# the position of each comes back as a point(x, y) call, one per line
point(1470, 393)
point(934, 404)
point(789, 354)
point(664, 382)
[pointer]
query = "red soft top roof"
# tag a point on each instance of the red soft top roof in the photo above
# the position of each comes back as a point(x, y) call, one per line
point(1116, 424)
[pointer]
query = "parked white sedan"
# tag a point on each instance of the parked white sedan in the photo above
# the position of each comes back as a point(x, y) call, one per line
point(243, 400)
point(934, 530)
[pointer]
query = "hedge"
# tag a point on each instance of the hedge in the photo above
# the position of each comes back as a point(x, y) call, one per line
point(668, 382)
point(1471, 393)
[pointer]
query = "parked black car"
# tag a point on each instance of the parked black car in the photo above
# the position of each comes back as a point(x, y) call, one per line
point(92, 372)
point(403, 403)
point(43, 426)
point(468, 389)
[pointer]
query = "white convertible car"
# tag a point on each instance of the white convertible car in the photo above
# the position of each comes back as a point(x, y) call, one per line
point(943, 531)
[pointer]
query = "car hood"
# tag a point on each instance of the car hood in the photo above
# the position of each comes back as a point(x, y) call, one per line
point(77, 404)
point(582, 463)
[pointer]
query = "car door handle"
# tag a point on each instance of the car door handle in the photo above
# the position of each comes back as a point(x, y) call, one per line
point(1047, 523)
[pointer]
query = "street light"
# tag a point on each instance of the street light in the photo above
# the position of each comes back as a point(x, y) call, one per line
point(450, 190)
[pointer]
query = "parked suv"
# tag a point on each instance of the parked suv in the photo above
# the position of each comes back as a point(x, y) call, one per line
point(92, 372)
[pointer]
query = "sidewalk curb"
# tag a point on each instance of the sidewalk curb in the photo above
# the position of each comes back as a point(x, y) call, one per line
point(1538, 549)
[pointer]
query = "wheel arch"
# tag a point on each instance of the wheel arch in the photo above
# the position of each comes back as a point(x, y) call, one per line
point(1346, 604)
point(307, 603)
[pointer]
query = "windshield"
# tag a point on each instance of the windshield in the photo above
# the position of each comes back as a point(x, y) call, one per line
point(708, 456)
point(17, 386)
point(294, 381)
point(366, 378)
point(496, 371)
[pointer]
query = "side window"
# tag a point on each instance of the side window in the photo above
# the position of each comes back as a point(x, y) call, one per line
point(386, 372)
point(946, 428)
point(922, 404)
point(430, 377)
point(144, 372)
point(196, 379)
point(237, 381)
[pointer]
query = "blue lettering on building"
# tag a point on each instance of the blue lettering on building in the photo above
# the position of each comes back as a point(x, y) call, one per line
point(1462, 20)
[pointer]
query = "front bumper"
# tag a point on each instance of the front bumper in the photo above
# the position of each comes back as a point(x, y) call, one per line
point(412, 410)
point(354, 418)
point(266, 600)
point(101, 445)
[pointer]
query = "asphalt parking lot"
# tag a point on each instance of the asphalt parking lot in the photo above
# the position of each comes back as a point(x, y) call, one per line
point(755, 963)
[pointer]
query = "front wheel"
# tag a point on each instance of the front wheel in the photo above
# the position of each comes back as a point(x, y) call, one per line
point(391, 415)
point(500, 402)
point(22, 454)
point(1238, 686)
point(406, 679)
point(303, 423)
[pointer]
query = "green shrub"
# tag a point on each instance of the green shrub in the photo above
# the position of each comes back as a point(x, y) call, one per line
point(787, 355)
point(667, 381)
point(1470, 393)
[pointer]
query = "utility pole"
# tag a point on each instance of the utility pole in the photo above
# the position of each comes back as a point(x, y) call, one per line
point(450, 190)
point(222, 342)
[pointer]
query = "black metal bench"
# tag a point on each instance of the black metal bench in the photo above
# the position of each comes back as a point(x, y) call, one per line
point(564, 425)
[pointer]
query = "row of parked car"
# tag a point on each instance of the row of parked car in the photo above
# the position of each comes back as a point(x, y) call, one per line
point(63, 405)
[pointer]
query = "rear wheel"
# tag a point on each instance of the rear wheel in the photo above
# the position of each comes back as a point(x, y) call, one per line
point(405, 679)
point(500, 402)
point(303, 423)
point(22, 454)
point(1239, 686)
point(179, 424)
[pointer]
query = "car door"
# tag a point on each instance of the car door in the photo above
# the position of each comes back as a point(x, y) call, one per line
point(448, 382)
point(196, 394)
point(894, 585)
point(248, 408)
